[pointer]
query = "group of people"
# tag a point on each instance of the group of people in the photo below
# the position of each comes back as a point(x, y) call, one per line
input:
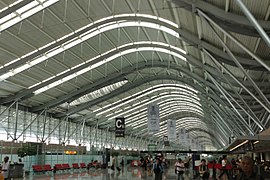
point(247, 169)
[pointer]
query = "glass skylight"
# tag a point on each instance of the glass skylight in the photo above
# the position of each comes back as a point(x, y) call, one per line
point(98, 93)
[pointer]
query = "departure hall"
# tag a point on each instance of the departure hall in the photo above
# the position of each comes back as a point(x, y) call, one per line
point(135, 89)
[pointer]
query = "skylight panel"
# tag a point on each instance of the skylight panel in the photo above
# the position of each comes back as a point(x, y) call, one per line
point(98, 93)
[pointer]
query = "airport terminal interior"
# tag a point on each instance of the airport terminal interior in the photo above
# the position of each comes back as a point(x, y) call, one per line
point(130, 89)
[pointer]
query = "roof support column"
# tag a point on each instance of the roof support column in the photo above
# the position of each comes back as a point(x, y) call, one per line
point(44, 125)
point(16, 120)
point(31, 124)
point(220, 89)
point(7, 108)
point(252, 115)
point(82, 132)
point(253, 21)
point(235, 123)
point(258, 59)
point(238, 64)
point(50, 133)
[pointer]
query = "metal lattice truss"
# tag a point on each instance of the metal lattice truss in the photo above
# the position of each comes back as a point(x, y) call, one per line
point(68, 68)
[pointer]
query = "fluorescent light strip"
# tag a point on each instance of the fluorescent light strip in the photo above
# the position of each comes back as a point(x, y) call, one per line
point(185, 124)
point(69, 77)
point(173, 107)
point(137, 96)
point(144, 118)
point(138, 106)
point(163, 113)
point(88, 35)
point(134, 124)
point(184, 104)
point(256, 142)
point(24, 12)
point(239, 145)
point(14, 3)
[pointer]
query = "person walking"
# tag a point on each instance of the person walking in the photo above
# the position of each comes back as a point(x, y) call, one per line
point(203, 170)
point(179, 169)
point(224, 163)
point(5, 167)
point(158, 169)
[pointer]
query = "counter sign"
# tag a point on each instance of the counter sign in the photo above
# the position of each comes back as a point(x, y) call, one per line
point(119, 127)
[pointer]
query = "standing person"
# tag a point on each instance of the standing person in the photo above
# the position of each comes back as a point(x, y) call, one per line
point(259, 168)
point(224, 162)
point(179, 169)
point(210, 167)
point(203, 170)
point(113, 163)
point(158, 169)
point(122, 162)
point(5, 167)
point(248, 171)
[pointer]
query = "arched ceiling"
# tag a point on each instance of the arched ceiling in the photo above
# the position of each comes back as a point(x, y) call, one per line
point(202, 62)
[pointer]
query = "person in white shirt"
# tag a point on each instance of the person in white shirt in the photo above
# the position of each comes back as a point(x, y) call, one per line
point(179, 169)
point(5, 167)
point(224, 163)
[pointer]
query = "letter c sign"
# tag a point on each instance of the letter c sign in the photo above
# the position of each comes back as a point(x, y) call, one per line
point(119, 123)
point(120, 127)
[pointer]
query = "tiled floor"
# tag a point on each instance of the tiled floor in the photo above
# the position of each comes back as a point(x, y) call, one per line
point(130, 173)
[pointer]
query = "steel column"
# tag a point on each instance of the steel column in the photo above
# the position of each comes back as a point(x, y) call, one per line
point(44, 126)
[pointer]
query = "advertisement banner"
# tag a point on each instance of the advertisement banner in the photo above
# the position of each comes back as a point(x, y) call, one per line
point(153, 118)
point(171, 127)
point(120, 127)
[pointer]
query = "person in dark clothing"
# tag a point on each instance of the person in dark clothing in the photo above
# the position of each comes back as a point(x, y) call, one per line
point(122, 162)
point(158, 169)
point(247, 170)
point(203, 170)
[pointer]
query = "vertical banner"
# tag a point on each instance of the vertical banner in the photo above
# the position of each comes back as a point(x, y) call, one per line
point(120, 127)
point(182, 136)
point(153, 118)
point(171, 125)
